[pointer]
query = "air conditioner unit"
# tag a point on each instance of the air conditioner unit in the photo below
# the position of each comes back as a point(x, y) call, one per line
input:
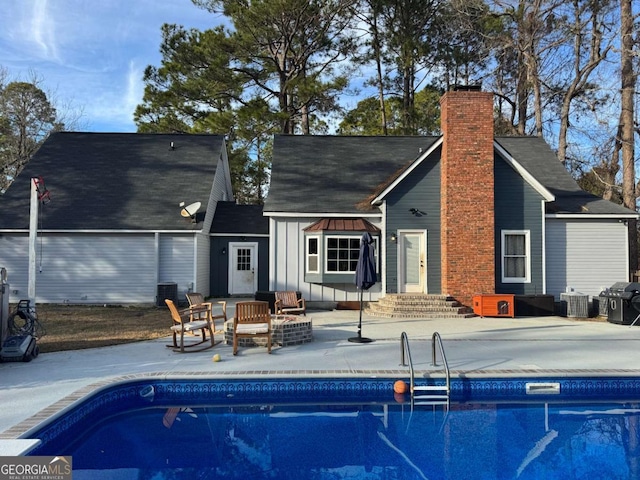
point(167, 290)
point(577, 304)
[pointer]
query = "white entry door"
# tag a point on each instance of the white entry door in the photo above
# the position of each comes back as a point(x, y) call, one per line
point(243, 274)
point(412, 262)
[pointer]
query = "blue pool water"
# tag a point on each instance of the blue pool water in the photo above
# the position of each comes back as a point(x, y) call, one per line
point(352, 428)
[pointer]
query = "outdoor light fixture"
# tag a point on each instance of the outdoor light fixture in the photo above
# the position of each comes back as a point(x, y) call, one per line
point(416, 212)
point(394, 237)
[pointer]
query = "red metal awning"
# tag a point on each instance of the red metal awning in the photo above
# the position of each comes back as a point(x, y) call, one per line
point(343, 225)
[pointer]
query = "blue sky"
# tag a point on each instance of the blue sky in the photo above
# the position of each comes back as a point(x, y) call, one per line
point(91, 54)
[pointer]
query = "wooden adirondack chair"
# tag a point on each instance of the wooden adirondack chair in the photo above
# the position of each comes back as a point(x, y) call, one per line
point(289, 303)
point(251, 320)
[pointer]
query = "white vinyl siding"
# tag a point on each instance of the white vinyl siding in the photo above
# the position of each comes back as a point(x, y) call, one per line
point(14, 257)
point(100, 268)
point(220, 191)
point(203, 265)
point(177, 261)
point(585, 255)
point(91, 269)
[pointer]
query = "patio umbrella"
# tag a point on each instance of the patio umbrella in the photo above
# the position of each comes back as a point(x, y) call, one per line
point(365, 277)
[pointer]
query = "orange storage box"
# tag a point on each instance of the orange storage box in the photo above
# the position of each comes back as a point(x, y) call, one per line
point(494, 305)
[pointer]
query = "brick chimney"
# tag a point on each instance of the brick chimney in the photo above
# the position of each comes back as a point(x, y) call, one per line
point(467, 189)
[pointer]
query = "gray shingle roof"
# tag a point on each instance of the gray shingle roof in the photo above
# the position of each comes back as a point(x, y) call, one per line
point(333, 174)
point(535, 155)
point(116, 181)
point(232, 219)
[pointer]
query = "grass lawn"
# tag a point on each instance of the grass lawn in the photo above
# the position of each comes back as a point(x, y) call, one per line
point(74, 327)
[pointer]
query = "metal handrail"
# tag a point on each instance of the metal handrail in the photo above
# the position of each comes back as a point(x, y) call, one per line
point(405, 352)
point(437, 339)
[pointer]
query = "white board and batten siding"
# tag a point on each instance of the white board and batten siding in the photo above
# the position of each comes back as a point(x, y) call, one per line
point(585, 255)
point(286, 265)
point(87, 268)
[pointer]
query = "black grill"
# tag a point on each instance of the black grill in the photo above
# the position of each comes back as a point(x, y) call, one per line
point(623, 300)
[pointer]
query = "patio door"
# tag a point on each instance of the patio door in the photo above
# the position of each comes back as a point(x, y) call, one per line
point(412, 261)
point(243, 274)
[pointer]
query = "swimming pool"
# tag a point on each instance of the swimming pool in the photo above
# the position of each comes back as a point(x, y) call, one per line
point(330, 428)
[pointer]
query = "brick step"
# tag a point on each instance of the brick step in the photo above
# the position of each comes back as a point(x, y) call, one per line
point(412, 298)
point(418, 306)
point(420, 315)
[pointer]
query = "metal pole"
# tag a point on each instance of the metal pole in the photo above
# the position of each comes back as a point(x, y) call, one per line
point(33, 237)
point(360, 320)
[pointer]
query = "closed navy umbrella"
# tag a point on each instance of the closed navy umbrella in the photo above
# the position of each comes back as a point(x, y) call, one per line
point(366, 277)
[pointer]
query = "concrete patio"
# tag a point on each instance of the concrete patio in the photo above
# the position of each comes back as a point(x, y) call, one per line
point(530, 346)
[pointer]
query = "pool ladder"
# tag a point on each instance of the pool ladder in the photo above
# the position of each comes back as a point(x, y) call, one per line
point(427, 394)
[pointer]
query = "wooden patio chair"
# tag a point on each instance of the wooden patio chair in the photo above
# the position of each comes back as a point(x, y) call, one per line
point(289, 303)
point(251, 320)
point(183, 323)
point(196, 300)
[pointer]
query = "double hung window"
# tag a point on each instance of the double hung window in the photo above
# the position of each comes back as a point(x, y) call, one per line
point(516, 256)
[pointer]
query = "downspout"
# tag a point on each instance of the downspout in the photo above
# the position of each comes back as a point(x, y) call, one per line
point(273, 261)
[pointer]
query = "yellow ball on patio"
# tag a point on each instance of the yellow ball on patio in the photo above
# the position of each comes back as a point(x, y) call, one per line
point(216, 357)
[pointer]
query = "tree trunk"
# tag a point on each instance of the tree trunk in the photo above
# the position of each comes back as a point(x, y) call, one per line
point(628, 78)
point(378, 59)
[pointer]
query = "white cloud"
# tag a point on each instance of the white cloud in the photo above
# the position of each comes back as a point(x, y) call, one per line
point(44, 29)
point(92, 53)
point(134, 86)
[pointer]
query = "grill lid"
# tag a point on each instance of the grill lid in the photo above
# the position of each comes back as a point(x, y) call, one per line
point(624, 290)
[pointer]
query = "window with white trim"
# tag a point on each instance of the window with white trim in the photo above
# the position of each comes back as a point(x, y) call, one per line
point(516, 256)
point(342, 254)
point(333, 257)
point(313, 255)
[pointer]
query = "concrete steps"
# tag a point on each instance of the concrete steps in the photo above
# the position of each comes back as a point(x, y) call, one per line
point(413, 305)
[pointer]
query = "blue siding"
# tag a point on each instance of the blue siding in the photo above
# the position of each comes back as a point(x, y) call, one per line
point(421, 190)
point(219, 270)
point(518, 207)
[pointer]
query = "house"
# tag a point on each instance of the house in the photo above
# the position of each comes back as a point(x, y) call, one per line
point(115, 230)
point(460, 214)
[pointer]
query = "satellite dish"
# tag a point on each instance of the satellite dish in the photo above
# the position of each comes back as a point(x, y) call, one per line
point(190, 210)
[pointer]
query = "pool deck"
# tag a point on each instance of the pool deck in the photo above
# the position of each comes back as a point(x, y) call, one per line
point(529, 346)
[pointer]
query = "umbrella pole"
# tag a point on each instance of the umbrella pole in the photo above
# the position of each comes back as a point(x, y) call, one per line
point(360, 319)
point(360, 338)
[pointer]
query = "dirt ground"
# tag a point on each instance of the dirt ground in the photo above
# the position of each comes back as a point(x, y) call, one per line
point(75, 327)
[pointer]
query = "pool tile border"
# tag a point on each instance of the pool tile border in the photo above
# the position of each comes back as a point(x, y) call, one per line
point(22, 429)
